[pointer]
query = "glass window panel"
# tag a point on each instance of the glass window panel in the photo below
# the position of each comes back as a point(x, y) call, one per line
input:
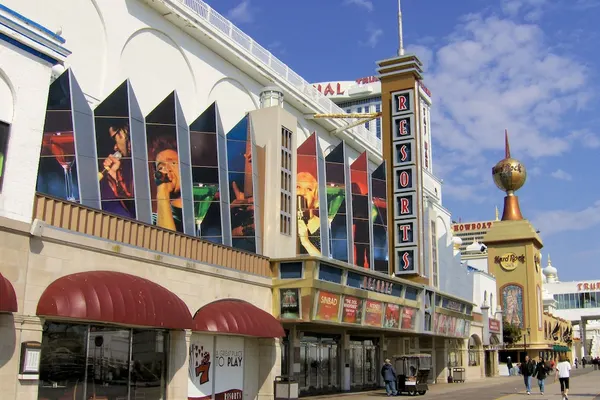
point(62, 364)
point(148, 364)
point(108, 363)
point(290, 270)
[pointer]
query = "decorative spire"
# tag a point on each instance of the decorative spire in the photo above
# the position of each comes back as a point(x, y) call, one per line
point(506, 145)
point(509, 175)
point(497, 214)
point(400, 35)
point(549, 261)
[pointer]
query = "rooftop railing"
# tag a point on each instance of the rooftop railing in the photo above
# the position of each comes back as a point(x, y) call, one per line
point(262, 55)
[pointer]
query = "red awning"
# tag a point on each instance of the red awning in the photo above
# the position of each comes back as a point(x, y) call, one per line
point(114, 297)
point(236, 317)
point(8, 297)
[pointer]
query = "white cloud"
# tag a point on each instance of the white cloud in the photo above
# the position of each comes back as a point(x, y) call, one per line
point(361, 3)
point(241, 13)
point(532, 10)
point(493, 74)
point(562, 175)
point(277, 47)
point(374, 36)
point(559, 221)
point(587, 138)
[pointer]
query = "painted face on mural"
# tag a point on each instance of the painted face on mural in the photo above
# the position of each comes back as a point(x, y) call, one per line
point(307, 187)
point(121, 138)
point(167, 163)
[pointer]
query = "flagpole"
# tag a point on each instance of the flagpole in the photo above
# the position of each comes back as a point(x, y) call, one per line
point(400, 36)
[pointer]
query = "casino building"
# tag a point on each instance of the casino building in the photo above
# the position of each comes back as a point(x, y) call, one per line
point(174, 224)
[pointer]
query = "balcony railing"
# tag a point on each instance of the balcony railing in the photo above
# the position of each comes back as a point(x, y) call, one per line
point(263, 56)
point(88, 221)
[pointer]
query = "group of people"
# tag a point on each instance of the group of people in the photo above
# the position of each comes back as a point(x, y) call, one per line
point(541, 369)
point(584, 361)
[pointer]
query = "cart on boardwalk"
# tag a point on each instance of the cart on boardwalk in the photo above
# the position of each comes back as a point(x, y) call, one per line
point(413, 371)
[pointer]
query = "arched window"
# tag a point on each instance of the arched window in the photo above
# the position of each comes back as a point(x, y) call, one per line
point(545, 329)
point(485, 296)
point(474, 350)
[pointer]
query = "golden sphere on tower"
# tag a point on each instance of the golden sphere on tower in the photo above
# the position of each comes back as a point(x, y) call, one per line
point(509, 175)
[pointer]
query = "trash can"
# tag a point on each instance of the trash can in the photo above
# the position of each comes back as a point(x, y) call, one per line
point(285, 388)
point(458, 374)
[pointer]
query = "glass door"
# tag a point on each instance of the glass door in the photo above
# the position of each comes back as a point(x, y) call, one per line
point(371, 364)
point(318, 365)
point(356, 364)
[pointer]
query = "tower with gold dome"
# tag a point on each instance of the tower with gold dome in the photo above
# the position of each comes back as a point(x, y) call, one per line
point(514, 259)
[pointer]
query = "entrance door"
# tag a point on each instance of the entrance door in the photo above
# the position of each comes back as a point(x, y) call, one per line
point(364, 364)
point(318, 365)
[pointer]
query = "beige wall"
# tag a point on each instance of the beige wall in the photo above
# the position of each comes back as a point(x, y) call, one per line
point(32, 263)
point(267, 124)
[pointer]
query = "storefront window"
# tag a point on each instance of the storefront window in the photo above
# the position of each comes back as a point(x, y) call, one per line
point(81, 362)
point(474, 345)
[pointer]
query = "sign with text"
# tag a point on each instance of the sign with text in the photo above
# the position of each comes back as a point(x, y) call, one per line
point(392, 316)
point(290, 303)
point(352, 310)
point(373, 313)
point(327, 307)
point(473, 226)
point(452, 305)
point(494, 325)
point(585, 286)
point(376, 285)
point(509, 261)
point(405, 180)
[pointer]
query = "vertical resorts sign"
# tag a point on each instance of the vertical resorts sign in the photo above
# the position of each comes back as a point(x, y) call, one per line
point(404, 153)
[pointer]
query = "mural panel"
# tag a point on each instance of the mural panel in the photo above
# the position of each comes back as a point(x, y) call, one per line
point(241, 189)
point(164, 166)
point(307, 194)
point(335, 174)
point(57, 173)
point(379, 219)
point(360, 211)
point(512, 303)
point(205, 176)
point(114, 152)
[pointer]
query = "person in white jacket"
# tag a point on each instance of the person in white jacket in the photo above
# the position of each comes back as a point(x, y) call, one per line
point(563, 371)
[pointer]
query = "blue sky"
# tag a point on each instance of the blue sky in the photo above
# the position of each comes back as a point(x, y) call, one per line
point(530, 66)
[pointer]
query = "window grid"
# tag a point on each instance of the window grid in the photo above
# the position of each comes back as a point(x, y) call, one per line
point(360, 102)
point(378, 122)
point(434, 255)
point(285, 206)
point(568, 301)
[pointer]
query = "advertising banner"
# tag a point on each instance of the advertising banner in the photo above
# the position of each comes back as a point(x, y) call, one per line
point(229, 375)
point(217, 370)
point(307, 195)
point(335, 172)
point(289, 303)
point(361, 212)
point(352, 310)
point(373, 313)
point(200, 373)
point(494, 325)
point(408, 318)
point(327, 307)
point(392, 316)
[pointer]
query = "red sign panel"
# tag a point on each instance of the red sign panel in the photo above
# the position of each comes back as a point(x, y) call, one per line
point(494, 325)
point(352, 310)
point(373, 313)
point(328, 307)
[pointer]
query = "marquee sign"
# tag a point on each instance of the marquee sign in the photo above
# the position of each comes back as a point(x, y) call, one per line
point(509, 261)
point(494, 325)
point(584, 286)
point(404, 153)
point(472, 226)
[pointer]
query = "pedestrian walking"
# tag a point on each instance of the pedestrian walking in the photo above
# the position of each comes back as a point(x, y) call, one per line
point(527, 370)
point(541, 373)
point(576, 362)
point(563, 371)
point(583, 362)
point(509, 365)
point(389, 376)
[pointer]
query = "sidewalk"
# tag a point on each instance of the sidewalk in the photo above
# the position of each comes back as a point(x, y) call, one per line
point(583, 386)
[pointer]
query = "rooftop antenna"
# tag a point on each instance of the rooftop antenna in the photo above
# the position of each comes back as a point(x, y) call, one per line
point(400, 36)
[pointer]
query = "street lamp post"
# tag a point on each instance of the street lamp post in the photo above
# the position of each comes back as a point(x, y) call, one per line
point(525, 340)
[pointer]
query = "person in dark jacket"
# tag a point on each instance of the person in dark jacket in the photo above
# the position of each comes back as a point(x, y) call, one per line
point(389, 376)
point(509, 365)
point(528, 370)
point(541, 373)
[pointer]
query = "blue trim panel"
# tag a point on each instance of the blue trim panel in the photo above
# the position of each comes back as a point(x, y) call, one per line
point(32, 23)
point(28, 49)
point(62, 53)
